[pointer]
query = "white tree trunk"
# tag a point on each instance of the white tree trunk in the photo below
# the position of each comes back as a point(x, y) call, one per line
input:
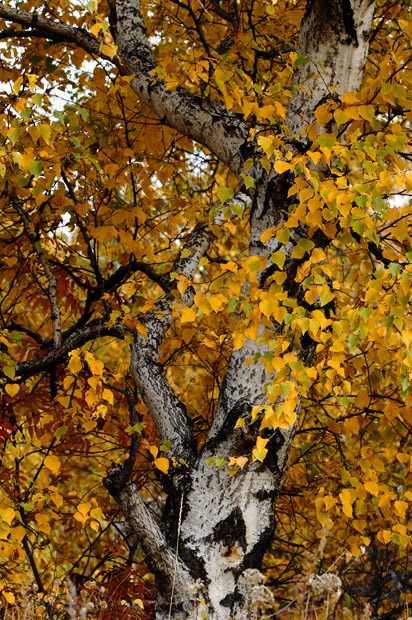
point(224, 524)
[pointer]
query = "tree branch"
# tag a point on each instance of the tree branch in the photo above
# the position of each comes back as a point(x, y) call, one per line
point(209, 123)
point(52, 283)
point(96, 329)
point(159, 556)
point(167, 411)
point(49, 29)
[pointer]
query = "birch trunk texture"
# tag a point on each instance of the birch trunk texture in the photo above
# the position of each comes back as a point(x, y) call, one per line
point(208, 548)
point(223, 525)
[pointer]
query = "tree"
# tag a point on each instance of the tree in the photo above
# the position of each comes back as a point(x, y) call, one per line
point(213, 194)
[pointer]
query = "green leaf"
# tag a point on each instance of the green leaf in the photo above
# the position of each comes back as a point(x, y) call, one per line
point(247, 308)
point(37, 99)
point(225, 193)
point(9, 371)
point(136, 428)
point(394, 268)
point(249, 181)
point(84, 114)
point(326, 141)
point(362, 201)
point(304, 245)
point(233, 304)
point(60, 432)
point(237, 209)
point(278, 258)
point(25, 114)
point(26, 506)
point(35, 167)
point(285, 389)
point(301, 60)
point(365, 313)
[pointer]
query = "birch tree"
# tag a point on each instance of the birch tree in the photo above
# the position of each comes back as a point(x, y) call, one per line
point(264, 113)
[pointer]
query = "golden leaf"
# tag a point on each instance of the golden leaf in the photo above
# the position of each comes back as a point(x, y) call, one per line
point(52, 463)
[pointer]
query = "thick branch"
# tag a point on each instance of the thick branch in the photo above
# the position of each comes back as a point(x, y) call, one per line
point(96, 329)
point(209, 123)
point(159, 555)
point(49, 29)
point(167, 411)
point(334, 36)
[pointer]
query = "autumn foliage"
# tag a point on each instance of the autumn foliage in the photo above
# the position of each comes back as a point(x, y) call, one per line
point(98, 197)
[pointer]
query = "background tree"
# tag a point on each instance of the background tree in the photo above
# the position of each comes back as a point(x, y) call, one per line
point(201, 260)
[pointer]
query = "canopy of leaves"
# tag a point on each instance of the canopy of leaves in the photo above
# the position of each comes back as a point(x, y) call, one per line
point(97, 199)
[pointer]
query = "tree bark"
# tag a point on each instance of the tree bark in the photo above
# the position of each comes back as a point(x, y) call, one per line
point(227, 522)
point(206, 551)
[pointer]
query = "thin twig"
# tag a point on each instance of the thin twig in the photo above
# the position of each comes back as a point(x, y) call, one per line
point(176, 557)
point(52, 287)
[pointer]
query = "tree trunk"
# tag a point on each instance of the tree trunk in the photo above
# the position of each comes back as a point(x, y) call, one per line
point(206, 551)
point(223, 525)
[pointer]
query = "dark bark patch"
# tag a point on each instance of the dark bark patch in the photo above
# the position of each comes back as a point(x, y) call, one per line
point(231, 532)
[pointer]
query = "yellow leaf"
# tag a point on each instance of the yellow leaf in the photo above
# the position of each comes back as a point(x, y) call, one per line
point(322, 114)
point(259, 452)
point(216, 302)
point(359, 524)
point(75, 364)
point(362, 399)
point(278, 258)
point(17, 84)
point(93, 382)
point(315, 156)
point(45, 131)
point(52, 463)
point(187, 315)
point(18, 533)
point(407, 337)
point(9, 596)
point(154, 451)
point(95, 29)
point(95, 365)
point(109, 50)
point(372, 487)
point(268, 145)
point(268, 307)
point(97, 514)
point(282, 166)
point(7, 514)
point(12, 389)
point(241, 461)
point(108, 395)
point(84, 508)
point(42, 521)
point(346, 500)
point(268, 234)
point(57, 499)
point(162, 463)
point(317, 256)
point(401, 529)
point(238, 340)
point(387, 536)
point(79, 517)
point(401, 508)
